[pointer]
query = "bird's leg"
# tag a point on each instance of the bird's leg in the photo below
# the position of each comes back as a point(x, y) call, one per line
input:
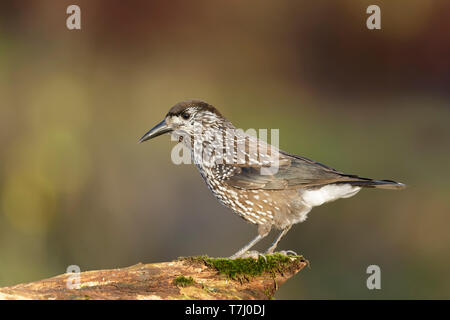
point(263, 231)
point(275, 243)
point(247, 246)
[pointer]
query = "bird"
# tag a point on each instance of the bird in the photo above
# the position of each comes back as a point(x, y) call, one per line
point(264, 185)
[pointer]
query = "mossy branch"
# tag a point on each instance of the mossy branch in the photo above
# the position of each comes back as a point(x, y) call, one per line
point(186, 278)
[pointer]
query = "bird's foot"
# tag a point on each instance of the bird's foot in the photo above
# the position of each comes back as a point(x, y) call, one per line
point(288, 253)
point(249, 254)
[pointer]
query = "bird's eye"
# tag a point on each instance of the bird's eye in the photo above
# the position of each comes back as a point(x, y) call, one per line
point(185, 115)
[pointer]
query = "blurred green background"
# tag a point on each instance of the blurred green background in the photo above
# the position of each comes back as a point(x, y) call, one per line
point(76, 188)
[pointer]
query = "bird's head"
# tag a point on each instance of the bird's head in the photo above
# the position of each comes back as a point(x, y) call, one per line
point(186, 119)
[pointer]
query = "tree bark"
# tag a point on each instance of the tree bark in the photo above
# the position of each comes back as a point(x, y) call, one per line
point(186, 278)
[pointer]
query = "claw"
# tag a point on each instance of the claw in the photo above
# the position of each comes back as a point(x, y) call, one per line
point(250, 254)
point(288, 252)
point(262, 256)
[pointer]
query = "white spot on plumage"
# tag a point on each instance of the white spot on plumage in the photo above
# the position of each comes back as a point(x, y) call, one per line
point(241, 205)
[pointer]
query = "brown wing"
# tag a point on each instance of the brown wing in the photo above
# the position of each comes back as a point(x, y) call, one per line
point(293, 172)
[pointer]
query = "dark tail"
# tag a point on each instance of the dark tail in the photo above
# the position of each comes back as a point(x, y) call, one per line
point(379, 184)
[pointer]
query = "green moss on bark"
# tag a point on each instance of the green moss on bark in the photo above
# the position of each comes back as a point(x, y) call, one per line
point(183, 281)
point(244, 268)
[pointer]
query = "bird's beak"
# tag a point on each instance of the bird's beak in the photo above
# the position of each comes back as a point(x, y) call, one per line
point(157, 130)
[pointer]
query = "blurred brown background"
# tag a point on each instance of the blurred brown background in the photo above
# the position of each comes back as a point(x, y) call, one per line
point(76, 188)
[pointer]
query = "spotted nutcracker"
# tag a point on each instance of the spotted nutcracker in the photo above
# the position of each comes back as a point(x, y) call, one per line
point(262, 184)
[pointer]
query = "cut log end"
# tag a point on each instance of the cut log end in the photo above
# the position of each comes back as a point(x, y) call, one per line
point(200, 277)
